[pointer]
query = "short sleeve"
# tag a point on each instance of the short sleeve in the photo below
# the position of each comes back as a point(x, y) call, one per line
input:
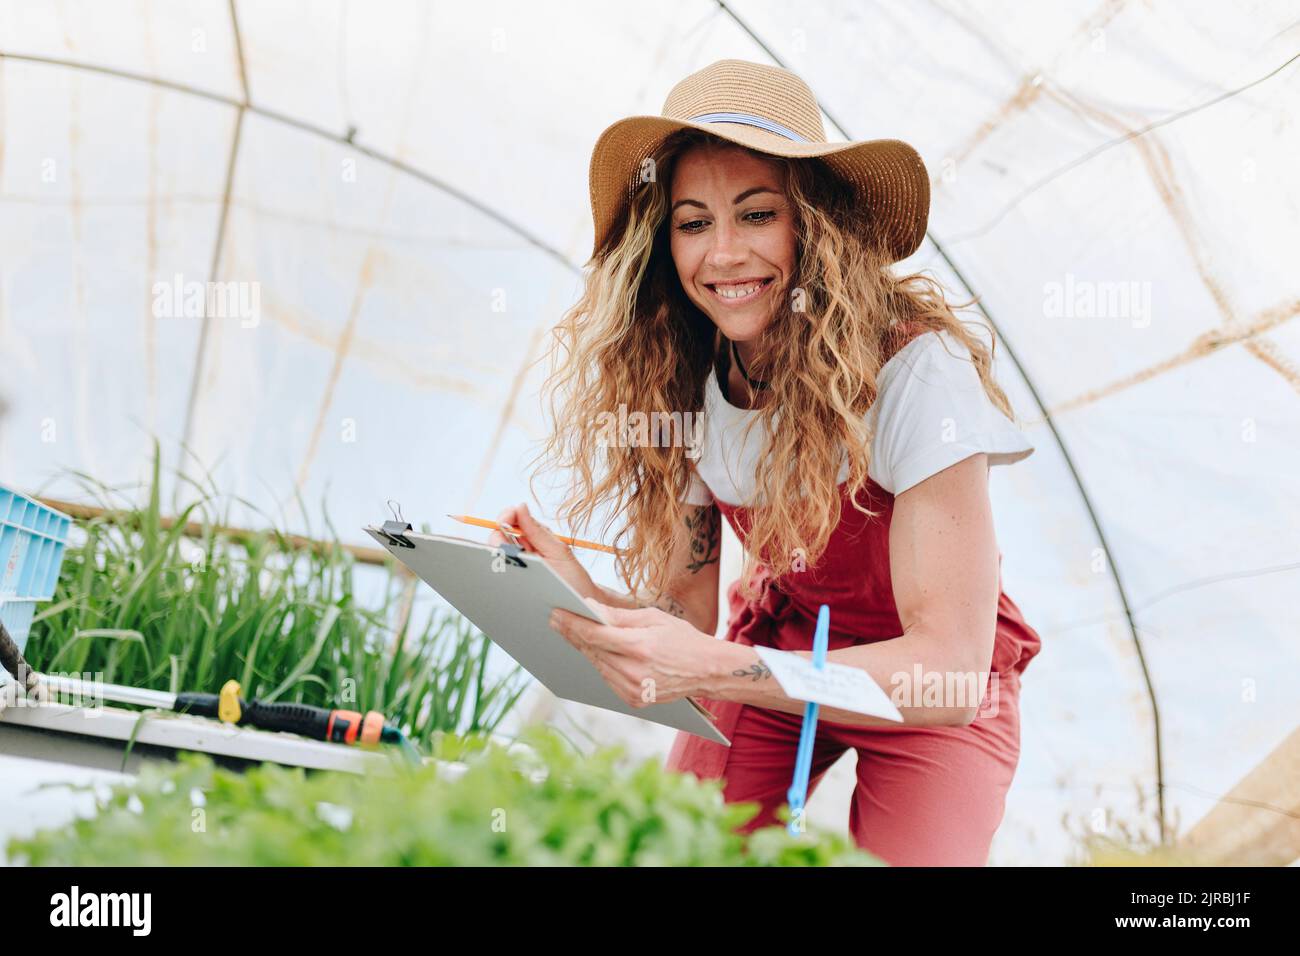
point(931, 411)
point(698, 493)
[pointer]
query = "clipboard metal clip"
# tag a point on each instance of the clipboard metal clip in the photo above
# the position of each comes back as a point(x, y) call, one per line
point(395, 531)
point(509, 550)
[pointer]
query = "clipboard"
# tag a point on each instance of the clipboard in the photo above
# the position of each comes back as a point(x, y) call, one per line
point(508, 594)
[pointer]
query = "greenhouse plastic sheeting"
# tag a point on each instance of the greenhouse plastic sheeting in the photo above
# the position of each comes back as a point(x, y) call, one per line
point(403, 186)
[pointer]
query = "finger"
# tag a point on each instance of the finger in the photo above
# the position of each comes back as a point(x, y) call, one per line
point(616, 681)
point(537, 531)
point(608, 666)
point(562, 623)
point(592, 635)
point(510, 519)
point(496, 537)
point(628, 616)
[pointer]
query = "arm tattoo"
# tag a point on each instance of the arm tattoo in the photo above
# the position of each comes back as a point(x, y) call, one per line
point(705, 526)
point(756, 672)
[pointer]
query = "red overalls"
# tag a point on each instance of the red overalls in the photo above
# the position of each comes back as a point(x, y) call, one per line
point(925, 796)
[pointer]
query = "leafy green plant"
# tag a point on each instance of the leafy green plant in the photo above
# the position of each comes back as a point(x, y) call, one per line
point(540, 805)
point(143, 603)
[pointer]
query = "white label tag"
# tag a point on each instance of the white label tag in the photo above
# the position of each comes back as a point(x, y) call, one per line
point(837, 685)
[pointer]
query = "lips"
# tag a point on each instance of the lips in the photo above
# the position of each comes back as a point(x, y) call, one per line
point(739, 291)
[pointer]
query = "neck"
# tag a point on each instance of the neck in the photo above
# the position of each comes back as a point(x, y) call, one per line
point(748, 353)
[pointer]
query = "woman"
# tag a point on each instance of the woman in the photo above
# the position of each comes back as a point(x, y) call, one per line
point(742, 271)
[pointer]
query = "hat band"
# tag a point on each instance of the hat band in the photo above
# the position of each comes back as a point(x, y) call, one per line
point(748, 119)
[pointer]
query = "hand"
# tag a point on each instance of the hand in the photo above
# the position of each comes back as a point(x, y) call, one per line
point(558, 556)
point(11, 691)
point(647, 656)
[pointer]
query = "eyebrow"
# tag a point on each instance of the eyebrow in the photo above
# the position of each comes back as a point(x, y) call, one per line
point(735, 202)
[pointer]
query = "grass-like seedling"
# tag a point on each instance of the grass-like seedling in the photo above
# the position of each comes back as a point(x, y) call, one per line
point(144, 604)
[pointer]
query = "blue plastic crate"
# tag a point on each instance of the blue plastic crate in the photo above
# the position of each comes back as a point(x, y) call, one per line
point(32, 540)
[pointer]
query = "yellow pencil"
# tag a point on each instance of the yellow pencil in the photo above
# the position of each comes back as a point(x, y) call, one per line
point(576, 542)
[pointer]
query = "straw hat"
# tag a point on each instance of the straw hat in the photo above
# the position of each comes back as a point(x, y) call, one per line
point(767, 109)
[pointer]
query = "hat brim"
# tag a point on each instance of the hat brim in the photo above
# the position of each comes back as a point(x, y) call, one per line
point(887, 175)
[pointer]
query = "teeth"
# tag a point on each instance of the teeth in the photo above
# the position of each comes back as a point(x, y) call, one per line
point(737, 292)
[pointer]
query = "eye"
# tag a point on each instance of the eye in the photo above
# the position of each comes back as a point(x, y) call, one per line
point(767, 215)
point(685, 227)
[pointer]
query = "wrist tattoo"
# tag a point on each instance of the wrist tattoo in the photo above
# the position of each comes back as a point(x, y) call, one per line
point(759, 671)
point(666, 602)
point(705, 527)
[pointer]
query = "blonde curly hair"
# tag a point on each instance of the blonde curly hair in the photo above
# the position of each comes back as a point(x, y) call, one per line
point(635, 340)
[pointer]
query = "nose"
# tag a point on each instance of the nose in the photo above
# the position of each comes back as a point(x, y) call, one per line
point(727, 250)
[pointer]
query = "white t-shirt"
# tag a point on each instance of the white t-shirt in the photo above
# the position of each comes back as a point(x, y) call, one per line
point(931, 411)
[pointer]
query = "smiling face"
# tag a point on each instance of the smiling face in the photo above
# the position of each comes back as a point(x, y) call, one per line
point(733, 238)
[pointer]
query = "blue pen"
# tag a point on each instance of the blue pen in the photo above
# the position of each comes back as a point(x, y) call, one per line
point(803, 760)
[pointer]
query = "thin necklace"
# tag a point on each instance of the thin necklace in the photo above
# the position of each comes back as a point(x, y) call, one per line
point(753, 382)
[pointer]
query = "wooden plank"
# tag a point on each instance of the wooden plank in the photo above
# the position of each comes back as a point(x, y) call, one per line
point(196, 529)
point(1258, 822)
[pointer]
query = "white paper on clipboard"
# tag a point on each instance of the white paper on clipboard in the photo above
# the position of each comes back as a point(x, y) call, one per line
point(510, 601)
